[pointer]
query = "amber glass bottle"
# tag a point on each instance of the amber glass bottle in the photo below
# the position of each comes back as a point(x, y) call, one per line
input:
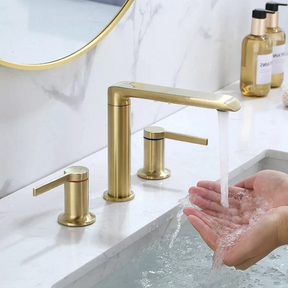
point(278, 38)
point(256, 58)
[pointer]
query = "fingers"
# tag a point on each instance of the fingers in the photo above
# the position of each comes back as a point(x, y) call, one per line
point(206, 193)
point(236, 219)
point(234, 192)
point(205, 231)
point(206, 204)
point(217, 223)
point(208, 220)
point(212, 195)
point(211, 185)
point(210, 190)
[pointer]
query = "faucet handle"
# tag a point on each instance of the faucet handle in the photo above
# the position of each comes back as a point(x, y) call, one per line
point(76, 191)
point(154, 151)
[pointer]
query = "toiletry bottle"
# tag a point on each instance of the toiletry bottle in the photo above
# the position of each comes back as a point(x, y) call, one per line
point(278, 38)
point(256, 58)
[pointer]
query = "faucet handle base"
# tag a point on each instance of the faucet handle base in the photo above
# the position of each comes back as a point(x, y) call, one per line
point(81, 221)
point(154, 175)
point(107, 197)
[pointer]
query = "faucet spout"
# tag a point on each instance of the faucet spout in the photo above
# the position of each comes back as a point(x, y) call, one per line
point(119, 131)
point(120, 94)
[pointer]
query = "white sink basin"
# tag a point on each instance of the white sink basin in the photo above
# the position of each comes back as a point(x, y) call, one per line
point(189, 262)
point(267, 159)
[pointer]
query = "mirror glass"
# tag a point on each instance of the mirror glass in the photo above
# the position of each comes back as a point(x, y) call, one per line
point(41, 31)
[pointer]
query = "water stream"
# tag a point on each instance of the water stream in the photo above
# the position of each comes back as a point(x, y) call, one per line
point(223, 119)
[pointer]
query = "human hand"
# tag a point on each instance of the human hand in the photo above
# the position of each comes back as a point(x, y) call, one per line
point(245, 232)
point(268, 184)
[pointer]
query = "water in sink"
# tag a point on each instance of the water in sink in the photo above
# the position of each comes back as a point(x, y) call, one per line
point(188, 264)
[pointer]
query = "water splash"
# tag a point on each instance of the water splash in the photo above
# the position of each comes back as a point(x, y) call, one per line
point(230, 239)
point(183, 203)
point(178, 227)
point(188, 265)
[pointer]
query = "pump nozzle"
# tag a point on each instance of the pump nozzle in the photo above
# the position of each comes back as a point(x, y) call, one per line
point(273, 6)
point(261, 13)
point(259, 21)
point(272, 20)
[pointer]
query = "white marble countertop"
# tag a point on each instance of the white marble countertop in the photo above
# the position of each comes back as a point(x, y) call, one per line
point(35, 251)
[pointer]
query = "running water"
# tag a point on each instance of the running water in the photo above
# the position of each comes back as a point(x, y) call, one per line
point(223, 119)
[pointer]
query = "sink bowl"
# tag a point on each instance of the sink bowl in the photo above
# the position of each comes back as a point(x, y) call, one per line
point(267, 159)
point(150, 262)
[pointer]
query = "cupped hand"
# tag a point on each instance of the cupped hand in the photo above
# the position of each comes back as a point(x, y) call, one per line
point(241, 245)
point(269, 184)
point(254, 224)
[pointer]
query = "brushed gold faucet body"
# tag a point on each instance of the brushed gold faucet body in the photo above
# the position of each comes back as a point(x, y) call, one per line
point(154, 151)
point(76, 191)
point(119, 130)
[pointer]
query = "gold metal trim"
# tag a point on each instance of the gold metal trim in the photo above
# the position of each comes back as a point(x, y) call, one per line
point(76, 54)
point(272, 20)
point(258, 27)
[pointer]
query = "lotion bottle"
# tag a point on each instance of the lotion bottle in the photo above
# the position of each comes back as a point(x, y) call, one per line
point(256, 58)
point(278, 38)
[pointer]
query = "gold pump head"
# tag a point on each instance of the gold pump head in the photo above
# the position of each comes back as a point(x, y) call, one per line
point(273, 19)
point(258, 27)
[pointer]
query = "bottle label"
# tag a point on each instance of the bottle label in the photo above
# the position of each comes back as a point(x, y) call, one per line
point(278, 59)
point(264, 69)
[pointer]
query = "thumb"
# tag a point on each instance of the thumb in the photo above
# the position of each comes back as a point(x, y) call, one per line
point(247, 183)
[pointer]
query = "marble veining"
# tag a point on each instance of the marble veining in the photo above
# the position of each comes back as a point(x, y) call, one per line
point(147, 13)
point(204, 33)
point(77, 91)
point(214, 2)
point(5, 188)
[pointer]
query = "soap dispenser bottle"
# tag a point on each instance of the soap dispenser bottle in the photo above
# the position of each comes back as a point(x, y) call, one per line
point(256, 58)
point(278, 38)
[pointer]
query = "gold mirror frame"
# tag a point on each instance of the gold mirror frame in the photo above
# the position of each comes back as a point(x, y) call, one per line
point(76, 54)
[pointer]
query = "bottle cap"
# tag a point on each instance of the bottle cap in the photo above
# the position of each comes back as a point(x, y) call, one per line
point(273, 6)
point(261, 13)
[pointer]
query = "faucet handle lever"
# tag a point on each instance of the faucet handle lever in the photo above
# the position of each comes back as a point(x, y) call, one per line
point(50, 185)
point(76, 190)
point(186, 138)
point(154, 151)
point(158, 133)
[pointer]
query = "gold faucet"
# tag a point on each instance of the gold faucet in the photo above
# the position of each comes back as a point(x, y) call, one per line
point(154, 151)
point(119, 131)
point(76, 188)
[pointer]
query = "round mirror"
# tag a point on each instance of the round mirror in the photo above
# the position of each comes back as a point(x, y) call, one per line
point(41, 34)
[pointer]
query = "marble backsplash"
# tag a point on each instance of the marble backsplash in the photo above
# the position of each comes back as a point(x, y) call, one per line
point(50, 119)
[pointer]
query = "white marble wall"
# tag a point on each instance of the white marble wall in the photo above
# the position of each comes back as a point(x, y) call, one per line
point(49, 119)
